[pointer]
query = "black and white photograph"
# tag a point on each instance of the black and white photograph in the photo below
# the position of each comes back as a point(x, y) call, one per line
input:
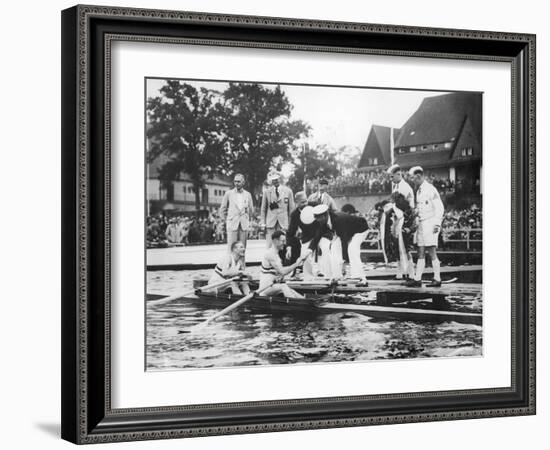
point(282, 222)
point(294, 224)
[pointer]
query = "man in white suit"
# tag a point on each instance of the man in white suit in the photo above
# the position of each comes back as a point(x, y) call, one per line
point(277, 205)
point(236, 208)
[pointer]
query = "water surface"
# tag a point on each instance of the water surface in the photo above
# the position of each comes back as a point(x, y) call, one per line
point(247, 338)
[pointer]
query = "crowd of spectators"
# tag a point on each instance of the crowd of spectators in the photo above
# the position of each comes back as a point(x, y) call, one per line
point(463, 225)
point(373, 182)
point(378, 182)
point(174, 230)
point(165, 231)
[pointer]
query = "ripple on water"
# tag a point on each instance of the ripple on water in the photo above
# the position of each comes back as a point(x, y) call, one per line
point(246, 338)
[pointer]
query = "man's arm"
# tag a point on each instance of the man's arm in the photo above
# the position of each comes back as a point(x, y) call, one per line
point(263, 208)
point(224, 205)
point(438, 206)
point(332, 204)
point(293, 224)
point(320, 231)
point(410, 197)
point(224, 268)
point(292, 230)
point(290, 201)
point(285, 270)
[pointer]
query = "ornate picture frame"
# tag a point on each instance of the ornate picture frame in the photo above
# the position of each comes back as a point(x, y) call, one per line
point(87, 35)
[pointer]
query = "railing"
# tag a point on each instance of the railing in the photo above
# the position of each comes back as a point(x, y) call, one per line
point(465, 231)
point(373, 237)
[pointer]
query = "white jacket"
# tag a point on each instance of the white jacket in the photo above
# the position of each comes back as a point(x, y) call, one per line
point(428, 203)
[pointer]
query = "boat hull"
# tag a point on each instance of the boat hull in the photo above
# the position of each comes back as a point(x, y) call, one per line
point(316, 304)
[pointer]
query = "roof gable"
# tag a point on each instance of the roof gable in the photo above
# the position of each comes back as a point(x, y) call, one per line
point(372, 149)
point(468, 146)
point(440, 119)
point(378, 146)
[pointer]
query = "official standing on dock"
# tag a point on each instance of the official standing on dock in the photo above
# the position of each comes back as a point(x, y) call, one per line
point(429, 209)
point(301, 231)
point(277, 205)
point(322, 197)
point(348, 233)
point(236, 208)
point(399, 185)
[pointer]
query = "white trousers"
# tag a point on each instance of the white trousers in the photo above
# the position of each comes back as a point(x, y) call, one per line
point(403, 266)
point(330, 259)
point(307, 268)
point(354, 253)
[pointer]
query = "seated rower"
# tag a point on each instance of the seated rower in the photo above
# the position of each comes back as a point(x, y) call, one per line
point(272, 269)
point(232, 265)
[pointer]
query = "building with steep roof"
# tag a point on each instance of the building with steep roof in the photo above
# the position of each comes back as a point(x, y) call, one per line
point(377, 151)
point(179, 195)
point(444, 136)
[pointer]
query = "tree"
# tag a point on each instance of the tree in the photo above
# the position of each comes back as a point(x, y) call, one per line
point(184, 126)
point(347, 158)
point(258, 130)
point(319, 161)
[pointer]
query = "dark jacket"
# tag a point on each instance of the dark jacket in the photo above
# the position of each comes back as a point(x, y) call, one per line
point(309, 232)
point(344, 226)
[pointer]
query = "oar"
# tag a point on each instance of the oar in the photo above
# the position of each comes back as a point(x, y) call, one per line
point(224, 311)
point(218, 284)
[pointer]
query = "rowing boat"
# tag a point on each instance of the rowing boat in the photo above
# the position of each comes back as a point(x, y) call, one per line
point(387, 292)
point(323, 304)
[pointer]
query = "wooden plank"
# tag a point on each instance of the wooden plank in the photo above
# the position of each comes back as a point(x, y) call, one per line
point(404, 313)
point(394, 286)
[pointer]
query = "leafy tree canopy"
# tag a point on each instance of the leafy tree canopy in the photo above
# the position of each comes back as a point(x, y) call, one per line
point(185, 127)
point(258, 130)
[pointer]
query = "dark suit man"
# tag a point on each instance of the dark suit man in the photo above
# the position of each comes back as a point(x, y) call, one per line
point(302, 230)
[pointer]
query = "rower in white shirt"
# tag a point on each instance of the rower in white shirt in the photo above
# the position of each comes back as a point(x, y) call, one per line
point(406, 263)
point(429, 209)
point(273, 273)
point(232, 265)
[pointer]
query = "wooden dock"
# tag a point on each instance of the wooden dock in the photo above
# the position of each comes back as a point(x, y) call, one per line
point(194, 257)
point(395, 286)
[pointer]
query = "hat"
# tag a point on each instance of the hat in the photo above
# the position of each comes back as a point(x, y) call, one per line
point(320, 209)
point(416, 169)
point(306, 216)
point(301, 195)
point(273, 176)
point(392, 169)
point(349, 209)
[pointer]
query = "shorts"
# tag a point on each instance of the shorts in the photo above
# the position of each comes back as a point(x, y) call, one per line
point(425, 236)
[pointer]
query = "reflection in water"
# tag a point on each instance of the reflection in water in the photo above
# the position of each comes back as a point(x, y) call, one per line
point(245, 338)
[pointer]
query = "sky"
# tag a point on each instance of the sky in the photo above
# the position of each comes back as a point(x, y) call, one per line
point(338, 116)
